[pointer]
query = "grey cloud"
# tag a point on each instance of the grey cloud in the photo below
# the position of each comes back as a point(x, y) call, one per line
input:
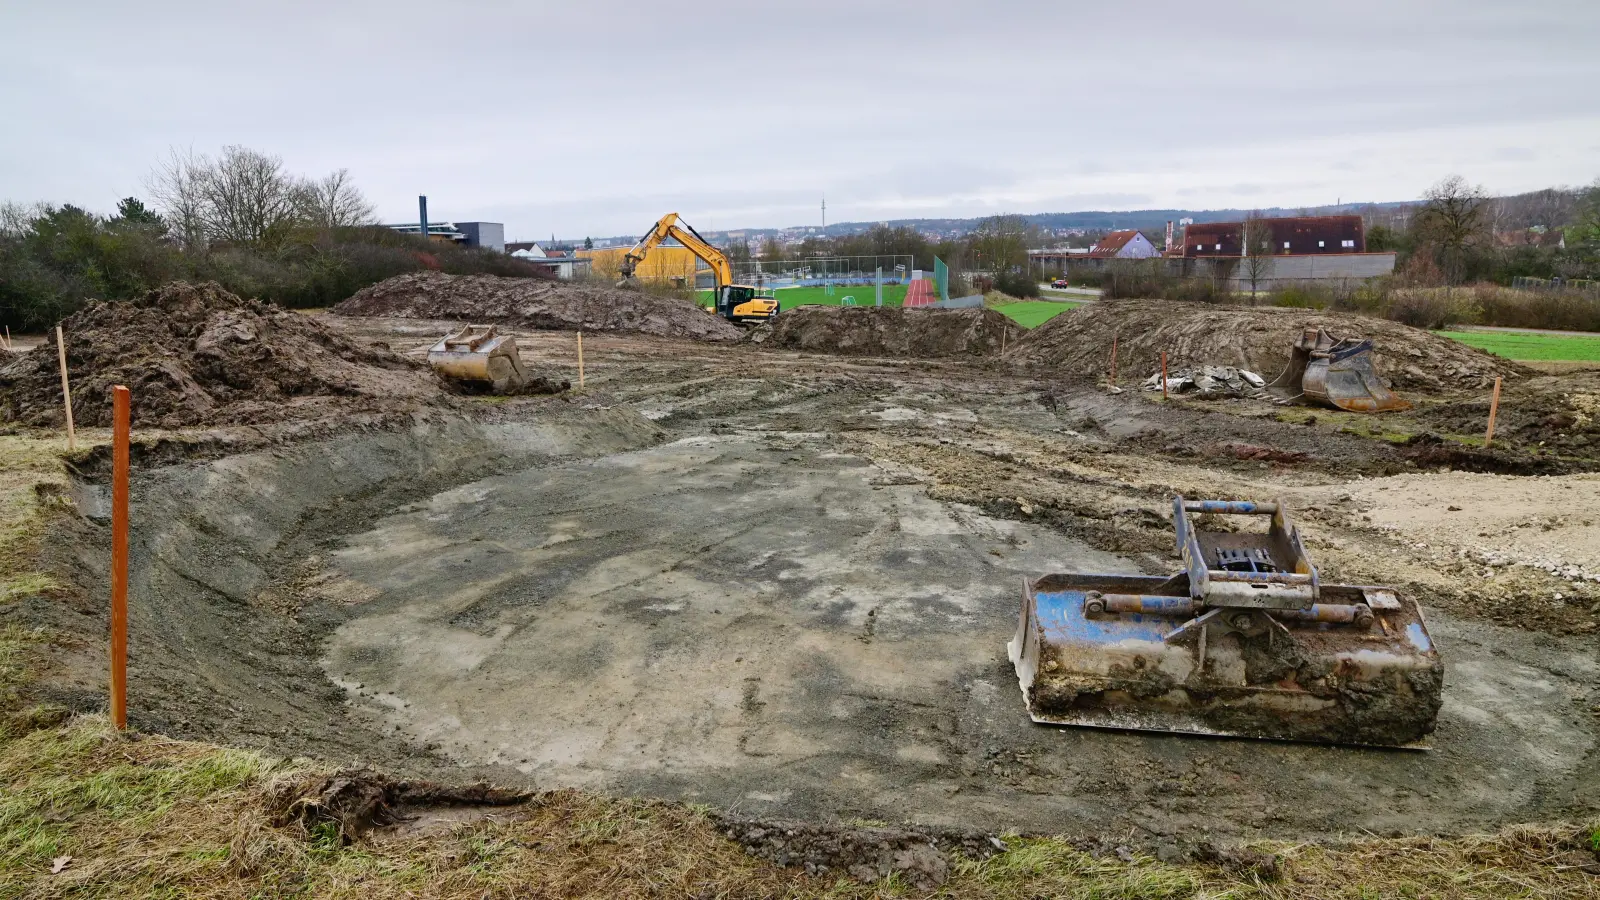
point(596, 118)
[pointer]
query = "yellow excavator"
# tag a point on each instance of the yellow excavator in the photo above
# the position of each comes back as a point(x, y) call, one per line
point(742, 304)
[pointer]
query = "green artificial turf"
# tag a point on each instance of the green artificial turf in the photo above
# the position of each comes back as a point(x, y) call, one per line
point(1033, 313)
point(1537, 347)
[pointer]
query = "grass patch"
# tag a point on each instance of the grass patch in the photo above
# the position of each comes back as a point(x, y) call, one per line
point(1535, 347)
point(1033, 313)
point(865, 295)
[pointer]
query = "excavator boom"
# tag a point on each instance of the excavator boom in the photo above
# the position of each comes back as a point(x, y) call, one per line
point(734, 302)
point(671, 226)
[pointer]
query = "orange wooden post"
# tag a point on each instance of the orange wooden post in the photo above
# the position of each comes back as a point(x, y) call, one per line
point(1163, 374)
point(1494, 407)
point(1113, 360)
point(119, 555)
point(580, 359)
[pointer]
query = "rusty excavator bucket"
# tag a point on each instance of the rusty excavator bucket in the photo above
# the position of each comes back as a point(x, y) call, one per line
point(1246, 641)
point(479, 359)
point(1337, 372)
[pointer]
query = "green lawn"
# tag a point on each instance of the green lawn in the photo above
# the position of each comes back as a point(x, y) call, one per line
point(1033, 313)
point(866, 295)
point(1536, 347)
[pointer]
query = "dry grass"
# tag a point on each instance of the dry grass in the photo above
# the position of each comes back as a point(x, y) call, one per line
point(132, 816)
point(152, 817)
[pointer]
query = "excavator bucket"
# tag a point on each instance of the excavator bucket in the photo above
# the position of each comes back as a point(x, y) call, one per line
point(479, 359)
point(1245, 642)
point(1337, 372)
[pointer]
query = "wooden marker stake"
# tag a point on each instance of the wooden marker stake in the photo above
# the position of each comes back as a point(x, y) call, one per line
point(1113, 360)
point(1163, 374)
point(119, 555)
point(580, 359)
point(1494, 407)
point(66, 389)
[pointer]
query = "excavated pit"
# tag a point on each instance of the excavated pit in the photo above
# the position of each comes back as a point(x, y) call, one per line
point(755, 620)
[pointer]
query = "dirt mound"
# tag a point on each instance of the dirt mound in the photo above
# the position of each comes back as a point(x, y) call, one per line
point(196, 354)
point(1257, 338)
point(891, 331)
point(535, 303)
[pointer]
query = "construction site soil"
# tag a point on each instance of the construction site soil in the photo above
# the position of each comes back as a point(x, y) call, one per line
point(196, 354)
point(891, 331)
point(535, 303)
point(1257, 338)
point(782, 583)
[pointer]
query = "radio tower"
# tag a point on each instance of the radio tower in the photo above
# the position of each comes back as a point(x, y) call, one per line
point(824, 214)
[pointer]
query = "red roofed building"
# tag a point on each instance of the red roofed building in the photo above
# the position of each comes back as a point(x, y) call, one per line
point(1124, 245)
point(1291, 236)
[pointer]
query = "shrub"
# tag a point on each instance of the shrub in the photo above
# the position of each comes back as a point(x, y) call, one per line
point(53, 260)
point(1017, 283)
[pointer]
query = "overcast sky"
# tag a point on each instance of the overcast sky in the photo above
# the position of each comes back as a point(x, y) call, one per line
point(595, 118)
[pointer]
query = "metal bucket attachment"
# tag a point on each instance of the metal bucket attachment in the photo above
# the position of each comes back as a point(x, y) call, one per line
point(479, 358)
point(1294, 660)
point(1337, 372)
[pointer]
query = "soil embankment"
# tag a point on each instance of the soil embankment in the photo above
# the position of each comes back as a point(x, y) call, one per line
point(195, 354)
point(535, 303)
point(890, 331)
point(1257, 338)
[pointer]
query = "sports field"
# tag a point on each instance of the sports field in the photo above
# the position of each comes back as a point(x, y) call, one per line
point(1033, 313)
point(866, 295)
point(1532, 346)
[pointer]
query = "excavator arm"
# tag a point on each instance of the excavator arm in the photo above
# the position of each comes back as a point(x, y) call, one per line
point(670, 226)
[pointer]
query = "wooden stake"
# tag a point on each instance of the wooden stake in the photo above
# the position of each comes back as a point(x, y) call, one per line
point(1163, 374)
point(580, 359)
point(1004, 333)
point(8, 337)
point(66, 389)
point(1113, 360)
point(120, 417)
point(1494, 407)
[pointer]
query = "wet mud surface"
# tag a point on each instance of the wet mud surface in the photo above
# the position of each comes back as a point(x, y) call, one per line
point(768, 626)
point(782, 584)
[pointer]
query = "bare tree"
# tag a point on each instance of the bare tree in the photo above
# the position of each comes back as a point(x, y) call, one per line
point(1257, 249)
point(1454, 221)
point(334, 202)
point(1000, 244)
point(175, 185)
point(248, 198)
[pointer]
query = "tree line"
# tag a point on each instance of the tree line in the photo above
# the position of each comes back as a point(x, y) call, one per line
point(239, 218)
point(1461, 234)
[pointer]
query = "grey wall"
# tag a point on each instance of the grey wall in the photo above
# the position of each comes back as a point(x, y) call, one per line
point(484, 234)
point(1317, 267)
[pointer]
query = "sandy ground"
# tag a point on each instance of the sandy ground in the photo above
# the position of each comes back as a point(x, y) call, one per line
point(782, 583)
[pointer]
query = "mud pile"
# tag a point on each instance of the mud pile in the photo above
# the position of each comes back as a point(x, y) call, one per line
point(1258, 338)
point(890, 331)
point(535, 303)
point(194, 354)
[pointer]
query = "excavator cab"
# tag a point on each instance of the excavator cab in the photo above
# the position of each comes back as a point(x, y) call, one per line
point(745, 305)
